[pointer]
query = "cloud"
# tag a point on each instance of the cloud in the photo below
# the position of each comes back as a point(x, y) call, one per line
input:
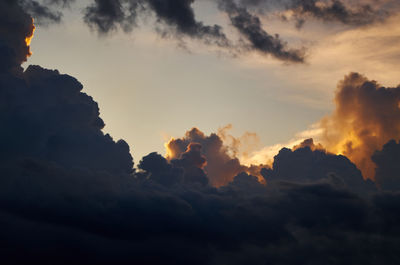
point(365, 118)
point(221, 166)
point(337, 11)
point(347, 12)
point(46, 116)
point(15, 27)
point(367, 115)
point(177, 19)
point(106, 15)
point(308, 163)
point(42, 12)
point(388, 166)
point(251, 28)
point(68, 194)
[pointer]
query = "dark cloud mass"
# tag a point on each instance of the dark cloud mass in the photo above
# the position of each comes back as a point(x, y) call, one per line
point(107, 15)
point(69, 195)
point(15, 27)
point(251, 28)
point(387, 162)
point(308, 164)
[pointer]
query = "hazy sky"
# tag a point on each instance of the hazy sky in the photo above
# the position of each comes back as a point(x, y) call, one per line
point(150, 88)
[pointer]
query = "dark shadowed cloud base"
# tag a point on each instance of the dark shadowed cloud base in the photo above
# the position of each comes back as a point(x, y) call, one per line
point(69, 193)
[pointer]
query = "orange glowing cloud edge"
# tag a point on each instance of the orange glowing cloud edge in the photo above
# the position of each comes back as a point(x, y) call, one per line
point(29, 38)
point(265, 156)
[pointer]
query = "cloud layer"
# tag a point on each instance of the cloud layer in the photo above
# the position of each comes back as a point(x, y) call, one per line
point(69, 194)
point(178, 19)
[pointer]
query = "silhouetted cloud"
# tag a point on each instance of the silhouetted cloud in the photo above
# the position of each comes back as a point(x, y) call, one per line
point(108, 15)
point(387, 163)
point(15, 27)
point(68, 194)
point(251, 28)
point(307, 164)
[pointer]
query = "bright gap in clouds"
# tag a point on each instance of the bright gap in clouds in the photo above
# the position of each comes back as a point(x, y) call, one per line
point(125, 74)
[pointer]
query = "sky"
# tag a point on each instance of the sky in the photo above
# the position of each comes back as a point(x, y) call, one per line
point(197, 132)
point(142, 78)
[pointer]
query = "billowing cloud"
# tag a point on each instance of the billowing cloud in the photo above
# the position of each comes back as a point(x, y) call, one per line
point(221, 166)
point(308, 163)
point(16, 27)
point(367, 116)
point(68, 194)
point(387, 163)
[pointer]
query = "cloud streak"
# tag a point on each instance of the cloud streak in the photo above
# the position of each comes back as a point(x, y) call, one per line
point(177, 19)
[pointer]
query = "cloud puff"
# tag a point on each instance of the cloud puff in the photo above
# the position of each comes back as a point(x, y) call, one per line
point(387, 163)
point(308, 164)
point(221, 166)
point(15, 27)
point(46, 116)
point(68, 194)
point(367, 116)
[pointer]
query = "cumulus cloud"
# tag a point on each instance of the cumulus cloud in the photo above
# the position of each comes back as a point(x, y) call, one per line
point(68, 194)
point(46, 116)
point(387, 163)
point(367, 116)
point(308, 163)
point(15, 27)
point(221, 166)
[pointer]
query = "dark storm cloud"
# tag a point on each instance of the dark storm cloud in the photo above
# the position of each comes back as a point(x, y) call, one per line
point(15, 26)
point(46, 116)
point(68, 194)
point(251, 28)
point(43, 13)
point(387, 162)
point(107, 15)
point(308, 164)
